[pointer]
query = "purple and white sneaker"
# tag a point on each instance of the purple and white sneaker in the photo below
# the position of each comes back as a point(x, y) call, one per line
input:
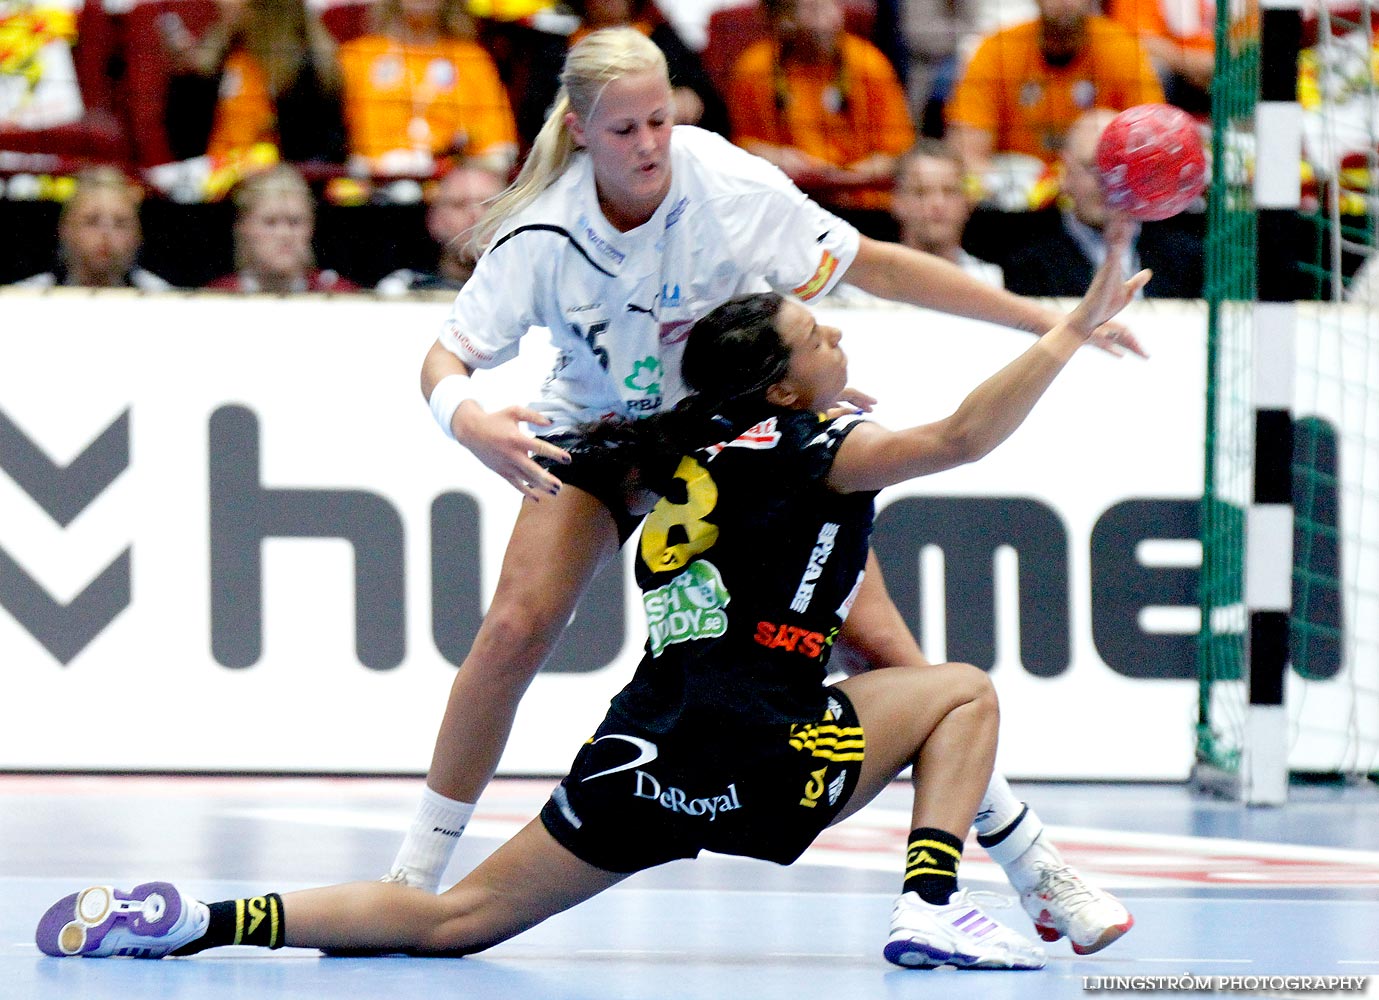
point(150, 921)
point(959, 933)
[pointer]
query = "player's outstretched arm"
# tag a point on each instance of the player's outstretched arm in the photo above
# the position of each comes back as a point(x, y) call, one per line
point(900, 274)
point(873, 457)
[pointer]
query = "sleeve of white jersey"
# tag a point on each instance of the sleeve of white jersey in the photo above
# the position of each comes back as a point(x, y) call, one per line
point(493, 310)
point(799, 246)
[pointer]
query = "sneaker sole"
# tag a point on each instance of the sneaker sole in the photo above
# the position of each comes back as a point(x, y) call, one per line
point(1002, 964)
point(1109, 936)
point(77, 925)
point(910, 954)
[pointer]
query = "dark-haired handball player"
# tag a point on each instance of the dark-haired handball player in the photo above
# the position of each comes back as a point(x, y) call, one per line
point(620, 231)
point(727, 738)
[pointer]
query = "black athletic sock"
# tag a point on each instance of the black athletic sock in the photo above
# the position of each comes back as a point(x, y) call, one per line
point(256, 920)
point(931, 864)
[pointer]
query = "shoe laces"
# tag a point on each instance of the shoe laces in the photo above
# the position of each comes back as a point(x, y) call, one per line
point(1060, 884)
point(982, 898)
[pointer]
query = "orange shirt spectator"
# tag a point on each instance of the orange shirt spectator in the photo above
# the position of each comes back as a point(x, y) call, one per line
point(1180, 36)
point(418, 90)
point(264, 72)
point(1013, 98)
point(1190, 24)
point(823, 105)
point(244, 114)
point(841, 116)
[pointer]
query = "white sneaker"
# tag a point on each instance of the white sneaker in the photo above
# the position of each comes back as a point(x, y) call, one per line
point(1062, 903)
point(150, 921)
point(959, 932)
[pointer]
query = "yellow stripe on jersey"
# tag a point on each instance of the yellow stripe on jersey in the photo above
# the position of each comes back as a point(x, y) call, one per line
point(830, 742)
point(809, 737)
point(239, 921)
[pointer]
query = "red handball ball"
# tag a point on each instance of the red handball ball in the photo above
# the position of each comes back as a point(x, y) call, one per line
point(1151, 162)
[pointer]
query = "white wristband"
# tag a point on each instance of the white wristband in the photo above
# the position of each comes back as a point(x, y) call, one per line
point(446, 398)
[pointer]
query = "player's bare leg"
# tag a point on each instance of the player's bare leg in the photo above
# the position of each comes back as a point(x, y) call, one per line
point(538, 588)
point(529, 878)
point(942, 720)
point(1056, 897)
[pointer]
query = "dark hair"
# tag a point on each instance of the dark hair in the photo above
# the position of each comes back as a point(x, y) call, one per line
point(734, 354)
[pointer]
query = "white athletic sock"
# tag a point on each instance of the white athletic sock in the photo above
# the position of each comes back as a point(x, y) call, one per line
point(431, 840)
point(999, 808)
point(1018, 846)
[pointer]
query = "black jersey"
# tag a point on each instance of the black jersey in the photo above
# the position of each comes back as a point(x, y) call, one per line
point(746, 576)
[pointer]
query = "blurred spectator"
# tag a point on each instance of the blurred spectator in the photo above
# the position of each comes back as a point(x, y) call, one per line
point(932, 206)
point(419, 88)
point(98, 236)
point(933, 32)
point(1062, 259)
point(697, 101)
point(823, 105)
point(1027, 84)
point(274, 222)
point(458, 203)
point(55, 80)
point(265, 72)
point(1180, 37)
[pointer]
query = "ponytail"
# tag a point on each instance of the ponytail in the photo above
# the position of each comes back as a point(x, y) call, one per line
point(592, 64)
point(550, 155)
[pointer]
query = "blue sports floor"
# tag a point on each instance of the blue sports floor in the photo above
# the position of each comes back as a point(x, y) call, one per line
point(1216, 889)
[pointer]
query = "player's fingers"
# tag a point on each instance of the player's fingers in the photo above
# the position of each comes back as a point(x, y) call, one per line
point(862, 400)
point(1109, 346)
point(547, 450)
point(527, 415)
point(1132, 344)
point(532, 489)
point(538, 478)
point(1139, 281)
point(1119, 229)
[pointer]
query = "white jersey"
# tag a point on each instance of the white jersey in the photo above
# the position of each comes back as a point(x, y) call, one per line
point(619, 305)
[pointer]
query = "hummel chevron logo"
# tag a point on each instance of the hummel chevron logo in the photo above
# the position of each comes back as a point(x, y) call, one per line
point(64, 492)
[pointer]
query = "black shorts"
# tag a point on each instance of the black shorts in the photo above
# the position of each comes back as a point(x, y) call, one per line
point(633, 799)
point(606, 482)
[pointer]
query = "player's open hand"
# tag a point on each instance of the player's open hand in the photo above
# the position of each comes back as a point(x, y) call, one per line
point(1116, 340)
point(498, 440)
point(1110, 291)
